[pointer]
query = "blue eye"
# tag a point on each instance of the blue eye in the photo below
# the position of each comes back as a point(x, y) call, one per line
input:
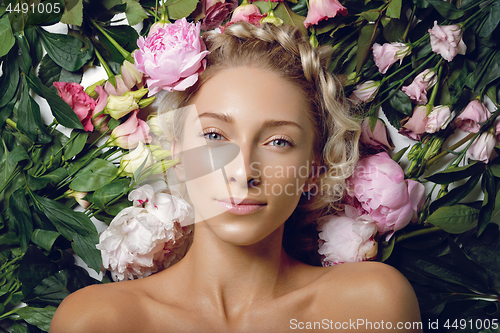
point(213, 136)
point(281, 143)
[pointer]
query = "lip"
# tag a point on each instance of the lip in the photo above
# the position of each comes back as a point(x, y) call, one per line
point(244, 206)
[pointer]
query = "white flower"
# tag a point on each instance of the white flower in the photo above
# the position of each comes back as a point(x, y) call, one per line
point(138, 159)
point(148, 236)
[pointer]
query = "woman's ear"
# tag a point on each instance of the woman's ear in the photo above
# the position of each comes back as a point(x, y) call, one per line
point(179, 167)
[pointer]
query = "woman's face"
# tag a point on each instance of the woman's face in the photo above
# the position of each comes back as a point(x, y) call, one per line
point(247, 137)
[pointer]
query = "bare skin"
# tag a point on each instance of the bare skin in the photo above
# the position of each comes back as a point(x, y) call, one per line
point(236, 277)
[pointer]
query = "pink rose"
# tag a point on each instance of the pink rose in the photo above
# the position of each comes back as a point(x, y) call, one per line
point(414, 126)
point(379, 138)
point(447, 41)
point(100, 122)
point(379, 185)
point(131, 132)
point(81, 103)
point(216, 12)
point(483, 148)
point(388, 54)
point(438, 119)
point(347, 237)
point(323, 9)
point(146, 237)
point(365, 92)
point(474, 113)
point(171, 57)
point(248, 13)
point(417, 90)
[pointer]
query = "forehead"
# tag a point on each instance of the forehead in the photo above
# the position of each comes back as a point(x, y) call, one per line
point(253, 93)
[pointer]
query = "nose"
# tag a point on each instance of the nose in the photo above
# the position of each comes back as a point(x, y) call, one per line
point(244, 170)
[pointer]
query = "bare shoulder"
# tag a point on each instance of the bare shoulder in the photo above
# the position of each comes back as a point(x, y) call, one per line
point(373, 291)
point(98, 308)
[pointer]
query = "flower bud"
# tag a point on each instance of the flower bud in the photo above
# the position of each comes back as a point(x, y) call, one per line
point(79, 198)
point(90, 90)
point(154, 125)
point(131, 76)
point(164, 165)
point(271, 18)
point(438, 119)
point(137, 160)
point(365, 92)
point(119, 106)
point(159, 153)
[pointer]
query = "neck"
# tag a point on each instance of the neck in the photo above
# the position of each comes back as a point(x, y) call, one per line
point(234, 278)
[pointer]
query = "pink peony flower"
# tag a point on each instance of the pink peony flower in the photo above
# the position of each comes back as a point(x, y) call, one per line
point(323, 9)
point(171, 57)
point(414, 126)
point(248, 13)
point(347, 237)
point(130, 133)
point(387, 54)
point(447, 41)
point(216, 12)
point(483, 148)
point(74, 94)
point(365, 92)
point(417, 90)
point(379, 138)
point(100, 122)
point(438, 119)
point(474, 113)
point(378, 184)
point(146, 237)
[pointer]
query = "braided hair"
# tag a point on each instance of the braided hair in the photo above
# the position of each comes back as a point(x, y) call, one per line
point(284, 51)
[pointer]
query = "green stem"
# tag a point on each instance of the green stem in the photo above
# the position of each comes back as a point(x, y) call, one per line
point(419, 232)
point(11, 123)
point(435, 90)
point(109, 72)
point(444, 153)
point(409, 23)
point(120, 49)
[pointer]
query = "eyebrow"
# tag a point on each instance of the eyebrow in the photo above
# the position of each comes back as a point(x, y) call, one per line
point(269, 123)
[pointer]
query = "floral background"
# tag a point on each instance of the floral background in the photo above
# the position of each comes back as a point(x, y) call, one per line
point(422, 74)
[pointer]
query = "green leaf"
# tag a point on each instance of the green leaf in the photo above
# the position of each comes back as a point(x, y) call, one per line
point(18, 328)
point(73, 12)
point(446, 9)
point(66, 51)
point(366, 38)
point(394, 30)
point(21, 217)
point(36, 50)
point(495, 169)
point(401, 102)
point(455, 174)
point(491, 21)
point(488, 206)
point(399, 154)
point(454, 219)
point(60, 109)
point(10, 81)
point(457, 194)
point(95, 175)
point(264, 5)
point(39, 317)
point(18, 154)
point(134, 12)
point(51, 72)
point(284, 12)
point(370, 15)
point(110, 191)
point(38, 183)
point(49, 15)
point(29, 117)
point(78, 140)
point(44, 238)
point(468, 266)
point(394, 9)
point(74, 226)
point(23, 52)
point(6, 36)
point(385, 249)
point(34, 267)
point(491, 72)
point(52, 290)
point(117, 207)
point(178, 9)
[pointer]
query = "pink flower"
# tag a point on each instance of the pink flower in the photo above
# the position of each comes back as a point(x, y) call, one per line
point(417, 90)
point(414, 126)
point(131, 76)
point(323, 9)
point(131, 132)
point(483, 148)
point(447, 41)
point(171, 57)
point(120, 88)
point(74, 94)
point(216, 12)
point(365, 92)
point(100, 122)
point(388, 54)
point(438, 119)
point(146, 237)
point(379, 138)
point(248, 13)
point(378, 184)
point(347, 237)
point(474, 113)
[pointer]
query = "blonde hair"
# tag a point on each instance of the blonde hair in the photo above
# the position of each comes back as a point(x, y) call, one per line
point(284, 51)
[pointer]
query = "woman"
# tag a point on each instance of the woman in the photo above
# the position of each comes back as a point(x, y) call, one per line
point(266, 92)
